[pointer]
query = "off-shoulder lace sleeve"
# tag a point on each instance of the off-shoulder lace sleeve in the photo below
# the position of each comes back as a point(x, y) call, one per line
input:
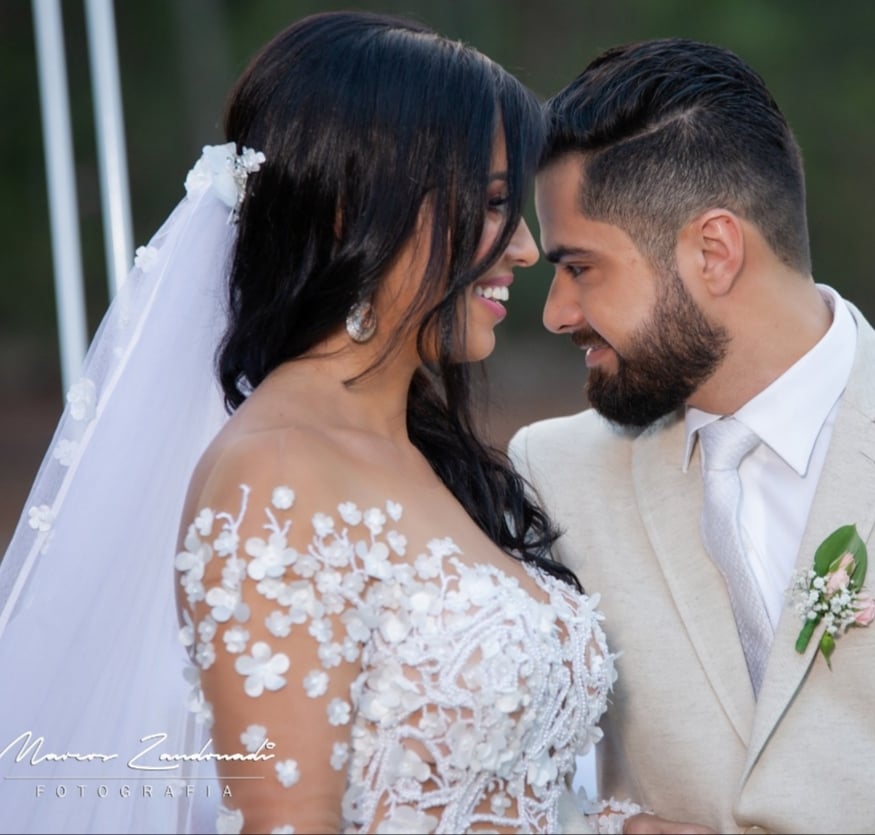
point(355, 686)
point(276, 622)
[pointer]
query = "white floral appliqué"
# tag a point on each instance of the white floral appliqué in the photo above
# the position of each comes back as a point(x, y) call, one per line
point(40, 518)
point(145, 258)
point(263, 669)
point(409, 634)
point(254, 737)
point(65, 452)
point(225, 171)
point(282, 498)
point(82, 399)
point(288, 773)
point(229, 821)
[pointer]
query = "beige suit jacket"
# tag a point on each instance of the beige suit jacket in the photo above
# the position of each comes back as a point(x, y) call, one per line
point(683, 731)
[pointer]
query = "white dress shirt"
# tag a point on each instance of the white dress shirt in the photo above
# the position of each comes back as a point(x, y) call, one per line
point(794, 418)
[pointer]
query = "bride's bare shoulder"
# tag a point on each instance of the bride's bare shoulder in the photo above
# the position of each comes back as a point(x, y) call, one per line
point(263, 459)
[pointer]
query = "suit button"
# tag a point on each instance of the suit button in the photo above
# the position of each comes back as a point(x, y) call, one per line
point(756, 830)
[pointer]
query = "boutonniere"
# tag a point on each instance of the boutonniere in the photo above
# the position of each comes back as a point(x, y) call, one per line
point(832, 590)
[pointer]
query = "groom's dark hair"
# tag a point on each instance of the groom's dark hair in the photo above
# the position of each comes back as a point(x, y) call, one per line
point(669, 128)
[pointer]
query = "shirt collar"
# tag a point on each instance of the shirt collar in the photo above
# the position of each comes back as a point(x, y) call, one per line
point(789, 414)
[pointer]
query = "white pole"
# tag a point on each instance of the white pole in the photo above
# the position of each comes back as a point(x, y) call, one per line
point(109, 127)
point(61, 183)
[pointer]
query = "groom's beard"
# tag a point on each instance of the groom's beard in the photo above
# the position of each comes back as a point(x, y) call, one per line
point(668, 358)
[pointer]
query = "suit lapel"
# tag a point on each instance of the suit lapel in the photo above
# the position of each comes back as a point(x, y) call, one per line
point(845, 495)
point(670, 502)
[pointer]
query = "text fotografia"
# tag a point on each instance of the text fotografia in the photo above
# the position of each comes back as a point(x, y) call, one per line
point(147, 791)
point(28, 749)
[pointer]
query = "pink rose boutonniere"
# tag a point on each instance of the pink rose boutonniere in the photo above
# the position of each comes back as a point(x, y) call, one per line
point(832, 590)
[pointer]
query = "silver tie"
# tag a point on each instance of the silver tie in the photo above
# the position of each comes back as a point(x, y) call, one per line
point(725, 443)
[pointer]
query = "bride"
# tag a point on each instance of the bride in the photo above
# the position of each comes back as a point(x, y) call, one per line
point(374, 635)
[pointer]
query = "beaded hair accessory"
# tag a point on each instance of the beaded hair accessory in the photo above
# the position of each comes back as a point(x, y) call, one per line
point(221, 168)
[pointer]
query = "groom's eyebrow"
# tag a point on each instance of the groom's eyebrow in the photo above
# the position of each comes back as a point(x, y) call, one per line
point(554, 256)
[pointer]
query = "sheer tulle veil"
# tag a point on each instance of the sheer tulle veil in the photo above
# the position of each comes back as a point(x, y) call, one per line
point(92, 688)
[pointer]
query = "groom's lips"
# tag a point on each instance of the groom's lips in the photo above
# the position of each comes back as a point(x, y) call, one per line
point(595, 355)
point(596, 348)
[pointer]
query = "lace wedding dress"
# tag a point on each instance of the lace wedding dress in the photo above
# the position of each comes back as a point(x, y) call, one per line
point(438, 693)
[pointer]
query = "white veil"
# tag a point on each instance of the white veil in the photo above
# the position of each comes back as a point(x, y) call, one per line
point(90, 660)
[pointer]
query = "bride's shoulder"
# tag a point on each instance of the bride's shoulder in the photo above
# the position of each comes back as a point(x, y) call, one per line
point(255, 465)
point(259, 452)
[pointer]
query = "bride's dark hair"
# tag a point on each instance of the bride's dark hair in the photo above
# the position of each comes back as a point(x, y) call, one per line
point(362, 117)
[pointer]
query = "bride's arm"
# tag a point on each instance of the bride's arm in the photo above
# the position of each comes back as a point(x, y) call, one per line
point(269, 626)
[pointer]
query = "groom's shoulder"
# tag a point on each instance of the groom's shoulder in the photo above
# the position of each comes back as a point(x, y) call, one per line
point(584, 433)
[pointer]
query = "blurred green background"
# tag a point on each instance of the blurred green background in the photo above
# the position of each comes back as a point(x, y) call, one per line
point(178, 58)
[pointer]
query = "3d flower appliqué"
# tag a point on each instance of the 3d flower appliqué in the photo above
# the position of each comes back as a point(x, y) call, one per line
point(145, 258)
point(221, 168)
point(40, 518)
point(65, 452)
point(288, 773)
point(82, 399)
point(254, 737)
point(831, 590)
point(263, 669)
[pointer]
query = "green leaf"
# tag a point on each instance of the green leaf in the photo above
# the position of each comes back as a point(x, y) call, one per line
point(843, 540)
point(805, 635)
point(827, 645)
point(861, 558)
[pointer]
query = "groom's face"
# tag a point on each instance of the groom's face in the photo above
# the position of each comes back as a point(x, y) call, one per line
point(648, 345)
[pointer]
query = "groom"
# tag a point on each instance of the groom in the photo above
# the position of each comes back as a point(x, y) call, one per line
point(732, 432)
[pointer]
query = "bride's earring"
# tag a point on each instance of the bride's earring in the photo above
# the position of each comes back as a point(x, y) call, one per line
point(361, 321)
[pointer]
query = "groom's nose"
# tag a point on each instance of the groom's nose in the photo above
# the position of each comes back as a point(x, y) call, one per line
point(562, 310)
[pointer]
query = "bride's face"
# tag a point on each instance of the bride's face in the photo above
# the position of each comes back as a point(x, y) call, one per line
point(484, 299)
point(482, 304)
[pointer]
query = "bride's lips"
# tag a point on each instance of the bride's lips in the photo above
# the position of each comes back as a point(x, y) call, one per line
point(492, 292)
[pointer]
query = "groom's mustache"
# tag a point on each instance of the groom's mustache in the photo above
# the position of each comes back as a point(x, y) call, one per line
point(588, 338)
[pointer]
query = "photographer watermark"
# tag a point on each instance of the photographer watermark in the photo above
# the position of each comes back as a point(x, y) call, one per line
point(146, 770)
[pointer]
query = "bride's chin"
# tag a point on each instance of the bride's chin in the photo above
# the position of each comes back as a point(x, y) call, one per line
point(480, 342)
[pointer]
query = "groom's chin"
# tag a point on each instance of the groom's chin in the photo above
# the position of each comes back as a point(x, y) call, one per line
point(629, 410)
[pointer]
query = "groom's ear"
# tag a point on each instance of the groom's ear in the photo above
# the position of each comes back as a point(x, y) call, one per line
point(712, 248)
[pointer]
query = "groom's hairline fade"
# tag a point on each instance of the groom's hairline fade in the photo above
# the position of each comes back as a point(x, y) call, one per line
point(668, 128)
